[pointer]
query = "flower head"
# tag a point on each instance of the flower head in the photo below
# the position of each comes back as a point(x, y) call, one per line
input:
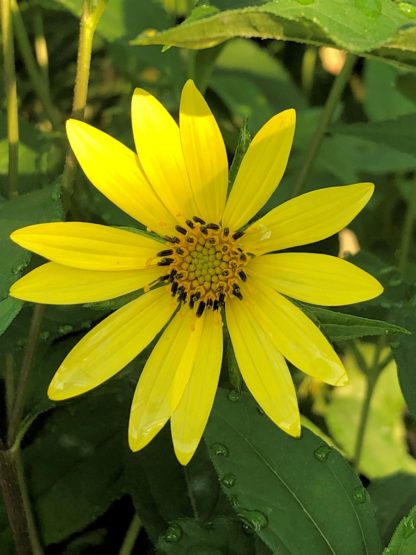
point(202, 261)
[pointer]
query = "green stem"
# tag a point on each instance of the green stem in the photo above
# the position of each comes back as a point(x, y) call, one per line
point(335, 93)
point(308, 69)
point(11, 94)
point(91, 14)
point(407, 230)
point(372, 375)
point(131, 536)
point(39, 84)
point(27, 362)
point(41, 46)
point(13, 502)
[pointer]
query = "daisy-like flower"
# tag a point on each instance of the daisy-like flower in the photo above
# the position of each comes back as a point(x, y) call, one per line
point(201, 260)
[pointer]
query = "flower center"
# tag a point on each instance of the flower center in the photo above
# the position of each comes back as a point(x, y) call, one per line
point(205, 264)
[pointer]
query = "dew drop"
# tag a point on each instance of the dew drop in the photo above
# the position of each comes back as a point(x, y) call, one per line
point(233, 395)
point(253, 519)
point(409, 10)
point(322, 453)
point(219, 449)
point(173, 533)
point(228, 480)
point(408, 526)
point(360, 494)
point(65, 328)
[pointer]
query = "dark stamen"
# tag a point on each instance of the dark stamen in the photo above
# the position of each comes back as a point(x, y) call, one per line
point(174, 288)
point(242, 275)
point(166, 252)
point(209, 303)
point(190, 224)
point(204, 230)
point(190, 239)
point(171, 239)
point(198, 220)
point(221, 299)
point(238, 234)
point(216, 305)
point(165, 262)
point(172, 275)
point(179, 250)
point(226, 231)
point(200, 310)
point(165, 278)
point(181, 229)
point(213, 226)
point(237, 292)
point(243, 257)
point(182, 294)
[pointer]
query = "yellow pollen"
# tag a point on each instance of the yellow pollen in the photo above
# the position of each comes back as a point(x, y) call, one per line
point(204, 264)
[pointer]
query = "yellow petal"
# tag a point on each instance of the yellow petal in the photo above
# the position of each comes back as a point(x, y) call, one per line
point(158, 144)
point(293, 333)
point(88, 246)
point(261, 170)
point(53, 283)
point(112, 344)
point(164, 378)
point(315, 278)
point(307, 218)
point(263, 368)
point(191, 415)
point(205, 154)
point(115, 171)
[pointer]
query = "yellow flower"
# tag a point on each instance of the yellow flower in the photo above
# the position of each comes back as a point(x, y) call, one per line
point(211, 262)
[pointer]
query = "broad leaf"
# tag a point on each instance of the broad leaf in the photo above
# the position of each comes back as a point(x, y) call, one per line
point(403, 541)
point(298, 495)
point(327, 22)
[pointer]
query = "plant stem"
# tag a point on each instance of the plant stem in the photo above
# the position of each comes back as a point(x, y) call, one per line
point(131, 536)
point(11, 95)
point(372, 375)
point(38, 81)
point(334, 95)
point(27, 362)
point(91, 14)
point(13, 502)
point(41, 46)
point(407, 230)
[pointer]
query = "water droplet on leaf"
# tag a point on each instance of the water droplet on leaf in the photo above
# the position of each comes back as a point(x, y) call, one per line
point(254, 519)
point(409, 10)
point(65, 328)
point(322, 453)
point(173, 533)
point(228, 480)
point(219, 449)
point(233, 395)
point(360, 495)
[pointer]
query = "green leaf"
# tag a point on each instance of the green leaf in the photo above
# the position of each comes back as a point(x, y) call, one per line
point(393, 497)
point(298, 495)
point(398, 133)
point(403, 541)
point(405, 353)
point(385, 431)
point(163, 491)
point(326, 22)
point(221, 535)
point(9, 309)
point(39, 206)
point(380, 76)
point(74, 465)
point(342, 327)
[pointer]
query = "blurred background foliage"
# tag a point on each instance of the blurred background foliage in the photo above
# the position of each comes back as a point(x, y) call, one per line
point(250, 489)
